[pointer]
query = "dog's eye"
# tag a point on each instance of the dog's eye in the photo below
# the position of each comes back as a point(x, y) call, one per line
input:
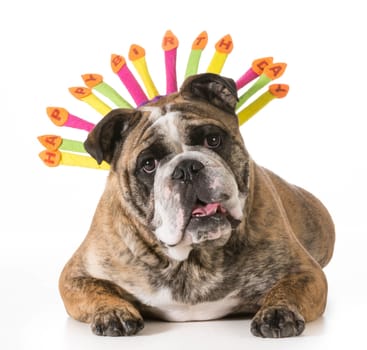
point(150, 165)
point(213, 141)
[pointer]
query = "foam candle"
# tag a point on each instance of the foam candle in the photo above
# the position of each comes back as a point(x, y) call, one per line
point(274, 91)
point(197, 48)
point(55, 158)
point(54, 142)
point(271, 72)
point(169, 45)
point(86, 95)
point(61, 117)
point(256, 69)
point(222, 49)
point(95, 81)
point(119, 66)
point(137, 57)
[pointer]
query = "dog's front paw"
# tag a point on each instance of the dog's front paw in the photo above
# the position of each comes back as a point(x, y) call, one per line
point(116, 323)
point(277, 322)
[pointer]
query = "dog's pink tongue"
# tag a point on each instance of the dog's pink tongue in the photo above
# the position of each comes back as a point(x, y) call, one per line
point(206, 210)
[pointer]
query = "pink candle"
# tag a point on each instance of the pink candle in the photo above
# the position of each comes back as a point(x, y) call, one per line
point(169, 45)
point(120, 67)
point(61, 117)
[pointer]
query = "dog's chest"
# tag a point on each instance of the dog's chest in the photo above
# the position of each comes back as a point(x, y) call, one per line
point(162, 304)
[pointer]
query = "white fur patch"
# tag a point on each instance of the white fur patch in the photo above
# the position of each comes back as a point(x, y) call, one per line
point(182, 250)
point(166, 124)
point(171, 310)
point(155, 112)
point(164, 231)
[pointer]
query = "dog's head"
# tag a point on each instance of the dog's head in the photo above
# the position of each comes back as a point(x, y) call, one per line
point(180, 162)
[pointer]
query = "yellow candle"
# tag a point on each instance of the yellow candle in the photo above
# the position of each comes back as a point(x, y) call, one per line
point(274, 91)
point(222, 49)
point(137, 57)
point(56, 158)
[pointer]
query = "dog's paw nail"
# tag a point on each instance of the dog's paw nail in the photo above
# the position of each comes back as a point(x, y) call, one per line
point(133, 326)
point(98, 329)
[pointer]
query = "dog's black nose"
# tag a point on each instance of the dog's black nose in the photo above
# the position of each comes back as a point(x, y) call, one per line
point(186, 170)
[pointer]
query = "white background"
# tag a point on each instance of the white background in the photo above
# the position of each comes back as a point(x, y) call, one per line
point(315, 137)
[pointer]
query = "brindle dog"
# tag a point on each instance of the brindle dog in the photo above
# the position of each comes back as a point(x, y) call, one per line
point(189, 227)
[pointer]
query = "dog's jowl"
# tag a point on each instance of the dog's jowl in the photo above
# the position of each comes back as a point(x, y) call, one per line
point(189, 227)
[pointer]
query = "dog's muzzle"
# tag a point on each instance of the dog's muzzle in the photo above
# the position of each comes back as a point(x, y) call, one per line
point(196, 200)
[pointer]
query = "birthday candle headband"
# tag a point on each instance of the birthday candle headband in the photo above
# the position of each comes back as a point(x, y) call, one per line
point(63, 151)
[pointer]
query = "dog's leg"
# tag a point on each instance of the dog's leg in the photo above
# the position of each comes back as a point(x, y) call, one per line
point(294, 300)
point(101, 303)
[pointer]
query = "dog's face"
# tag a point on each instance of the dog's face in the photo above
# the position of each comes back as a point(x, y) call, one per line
point(180, 164)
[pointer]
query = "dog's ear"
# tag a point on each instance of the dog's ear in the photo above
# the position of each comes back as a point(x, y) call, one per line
point(217, 90)
point(110, 132)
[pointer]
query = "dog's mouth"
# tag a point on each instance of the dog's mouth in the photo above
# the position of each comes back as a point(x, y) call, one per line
point(204, 222)
point(208, 221)
point(202, 209)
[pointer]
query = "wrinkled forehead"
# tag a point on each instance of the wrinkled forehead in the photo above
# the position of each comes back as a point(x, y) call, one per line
point(170, 126)
point(174, 122)
point(179, 115)
point(162, 122)
point(156, 113)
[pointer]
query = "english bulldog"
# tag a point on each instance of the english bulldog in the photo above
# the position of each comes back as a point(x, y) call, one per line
point(190, 228)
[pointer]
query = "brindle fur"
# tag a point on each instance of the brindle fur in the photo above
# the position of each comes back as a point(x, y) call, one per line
point(272, 262)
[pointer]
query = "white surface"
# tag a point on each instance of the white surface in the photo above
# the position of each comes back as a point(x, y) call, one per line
point(315, 137)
